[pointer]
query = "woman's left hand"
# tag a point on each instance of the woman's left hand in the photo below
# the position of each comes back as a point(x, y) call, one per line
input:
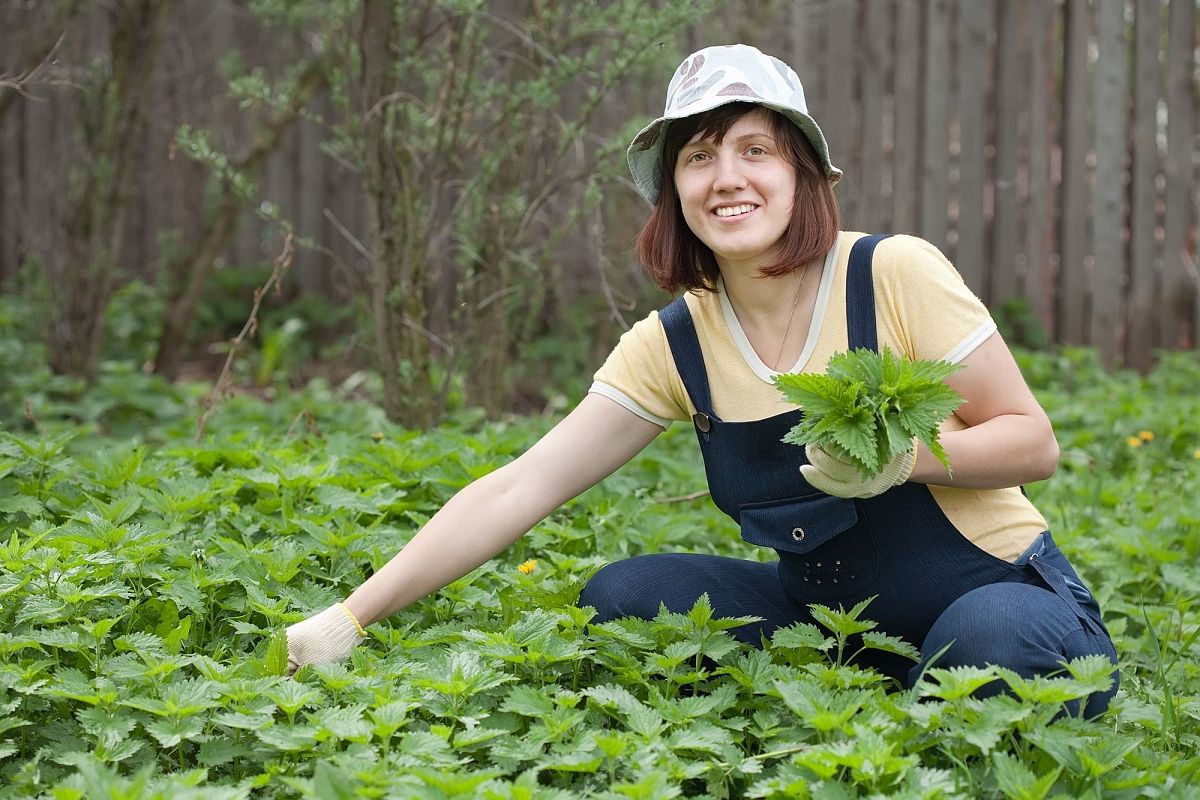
point(840, 478)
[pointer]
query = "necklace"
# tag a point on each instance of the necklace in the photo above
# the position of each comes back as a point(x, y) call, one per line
point(791, 316)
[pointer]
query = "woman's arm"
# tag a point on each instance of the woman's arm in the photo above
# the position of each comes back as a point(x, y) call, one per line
point(1008, 439)
point(494, 511)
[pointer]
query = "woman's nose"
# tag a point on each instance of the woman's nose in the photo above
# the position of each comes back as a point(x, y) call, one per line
point(729, 177)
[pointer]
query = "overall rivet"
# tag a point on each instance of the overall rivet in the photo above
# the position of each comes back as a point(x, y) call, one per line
point(798, 535)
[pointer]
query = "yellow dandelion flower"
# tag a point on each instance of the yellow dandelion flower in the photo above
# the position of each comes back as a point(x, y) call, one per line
point(1196, 453)
point(1133, 441)
point(528, 566)
point(1146, 436)
point(377, 436)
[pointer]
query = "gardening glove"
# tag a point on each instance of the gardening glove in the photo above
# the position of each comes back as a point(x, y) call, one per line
point(841, 478)
point(324, 638)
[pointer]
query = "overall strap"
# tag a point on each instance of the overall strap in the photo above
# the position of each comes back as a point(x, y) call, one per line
point(860, 294)
point(685, 349)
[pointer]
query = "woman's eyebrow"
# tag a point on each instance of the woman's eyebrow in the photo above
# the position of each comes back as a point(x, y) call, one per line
point(755, 135)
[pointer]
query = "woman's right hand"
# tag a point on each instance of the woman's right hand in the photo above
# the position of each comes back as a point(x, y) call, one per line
point(324, 638)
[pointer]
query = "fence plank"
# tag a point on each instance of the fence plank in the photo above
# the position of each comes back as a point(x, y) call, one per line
point(1040, 217)
point(1179, 282)
point(873, 58)
point(935, 86)
point(237, 29)
point(1144, 267)
point(1108, 219)
point(973, 24)
point(905, 155)
point(11, 179)
point(840, 111)
point(1072, 284)
point(311, 265)
point(1007, 130)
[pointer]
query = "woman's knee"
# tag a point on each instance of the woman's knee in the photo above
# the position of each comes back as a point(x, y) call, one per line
point(625, 589)
point(1021, 627)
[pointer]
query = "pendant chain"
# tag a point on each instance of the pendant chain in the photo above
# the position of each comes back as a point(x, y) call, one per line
point(795, 305)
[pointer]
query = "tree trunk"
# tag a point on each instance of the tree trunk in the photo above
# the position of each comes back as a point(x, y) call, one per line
point(397, 256)
point(113, 119)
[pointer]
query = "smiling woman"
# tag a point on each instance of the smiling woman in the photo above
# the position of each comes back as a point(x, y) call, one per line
point(962, 566)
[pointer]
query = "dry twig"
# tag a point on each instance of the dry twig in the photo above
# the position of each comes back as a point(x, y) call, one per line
point(220, 388)
point(683, 498)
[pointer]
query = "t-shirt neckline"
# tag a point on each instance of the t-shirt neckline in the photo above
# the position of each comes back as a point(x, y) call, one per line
point(814, 329)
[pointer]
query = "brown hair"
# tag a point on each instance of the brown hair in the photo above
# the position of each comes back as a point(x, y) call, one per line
point(672, 254)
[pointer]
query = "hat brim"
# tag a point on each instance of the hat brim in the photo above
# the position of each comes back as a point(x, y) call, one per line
point(645, 151)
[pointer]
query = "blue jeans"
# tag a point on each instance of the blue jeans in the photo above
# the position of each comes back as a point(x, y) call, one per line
point(1024, 627)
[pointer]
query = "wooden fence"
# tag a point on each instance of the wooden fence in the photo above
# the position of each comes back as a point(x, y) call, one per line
point(1049, 147)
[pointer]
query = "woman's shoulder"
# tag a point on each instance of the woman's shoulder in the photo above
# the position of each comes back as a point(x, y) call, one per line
point(903, 256)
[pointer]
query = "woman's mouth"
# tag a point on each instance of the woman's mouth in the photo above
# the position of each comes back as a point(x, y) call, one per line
point(726, 212)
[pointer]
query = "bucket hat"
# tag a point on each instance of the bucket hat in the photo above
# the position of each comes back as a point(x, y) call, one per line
point(715, 76)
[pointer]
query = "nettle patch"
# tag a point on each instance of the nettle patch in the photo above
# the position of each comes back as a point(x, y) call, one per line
point(144, 589)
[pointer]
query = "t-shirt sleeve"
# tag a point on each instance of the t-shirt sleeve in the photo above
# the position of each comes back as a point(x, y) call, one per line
point(640, 374)
point(925, 304)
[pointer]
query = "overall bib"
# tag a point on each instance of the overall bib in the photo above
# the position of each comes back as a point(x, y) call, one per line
point(898, 546)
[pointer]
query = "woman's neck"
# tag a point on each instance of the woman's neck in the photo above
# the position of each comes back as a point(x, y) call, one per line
point(767, 302)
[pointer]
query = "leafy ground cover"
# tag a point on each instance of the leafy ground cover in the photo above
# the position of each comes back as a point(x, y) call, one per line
point(145, 579)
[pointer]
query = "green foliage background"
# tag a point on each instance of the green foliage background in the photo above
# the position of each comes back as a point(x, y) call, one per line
point(145, 580)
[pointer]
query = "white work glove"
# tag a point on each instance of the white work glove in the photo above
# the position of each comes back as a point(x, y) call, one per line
point(841, 478)
point(324, 638)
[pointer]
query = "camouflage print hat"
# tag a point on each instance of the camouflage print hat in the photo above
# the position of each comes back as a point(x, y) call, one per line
point(713, 77)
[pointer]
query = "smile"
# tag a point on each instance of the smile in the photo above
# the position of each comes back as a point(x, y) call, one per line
point(734, 211)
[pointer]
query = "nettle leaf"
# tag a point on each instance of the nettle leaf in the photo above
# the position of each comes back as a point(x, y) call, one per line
point(842, 622)
point(639, 717)
point(1017, 780)
point(955, 683)
point(170, 732)
point(109, 726)
point(752, 670)
point(335, 497)
point(816, 706)
point(276, 658)
point(869, 406)
point(344, 722)
point(988, 721)
point(874, 640)
point(391, 717)
point(291, 696)
point(1093, 673)
point(703, 737)
point(422, 748)
point(529, 701)
point(288, 737)
point(333, 782)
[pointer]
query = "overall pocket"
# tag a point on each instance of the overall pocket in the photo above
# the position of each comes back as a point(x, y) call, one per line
point(826, 552)
point(796, 524)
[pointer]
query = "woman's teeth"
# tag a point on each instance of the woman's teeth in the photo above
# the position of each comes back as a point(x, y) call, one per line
point(733, 211)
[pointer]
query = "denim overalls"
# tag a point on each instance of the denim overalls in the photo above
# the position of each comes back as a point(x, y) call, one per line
point(898, 546)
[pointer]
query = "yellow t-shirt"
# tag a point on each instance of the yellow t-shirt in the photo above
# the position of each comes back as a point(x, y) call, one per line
point(923, 309)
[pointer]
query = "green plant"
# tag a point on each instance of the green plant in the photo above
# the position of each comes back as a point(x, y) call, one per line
point(144, 585)
point(868, 406)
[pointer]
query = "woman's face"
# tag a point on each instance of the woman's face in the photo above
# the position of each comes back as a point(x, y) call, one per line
point(737, 196)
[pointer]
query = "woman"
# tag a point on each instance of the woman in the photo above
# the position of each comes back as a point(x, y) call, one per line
point(745, 220)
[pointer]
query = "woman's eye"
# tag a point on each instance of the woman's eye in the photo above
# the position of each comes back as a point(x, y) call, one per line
point(755, 150)
point(698, 156)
